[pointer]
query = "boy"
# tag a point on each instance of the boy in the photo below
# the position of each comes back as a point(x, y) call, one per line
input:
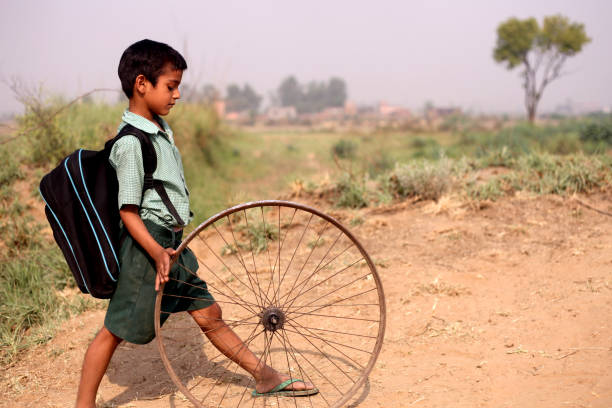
point(150, 74)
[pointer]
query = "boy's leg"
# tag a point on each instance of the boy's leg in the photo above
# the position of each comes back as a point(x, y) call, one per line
point(228, 342)
point(96, 361)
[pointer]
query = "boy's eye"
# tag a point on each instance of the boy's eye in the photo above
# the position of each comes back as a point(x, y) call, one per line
point(170, 88)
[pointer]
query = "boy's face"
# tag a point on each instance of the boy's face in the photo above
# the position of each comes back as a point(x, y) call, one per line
point(162, 97)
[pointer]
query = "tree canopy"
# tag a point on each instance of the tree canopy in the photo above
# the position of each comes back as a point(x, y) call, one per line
point(242, 99)
point(540, 50)
point(312, 97)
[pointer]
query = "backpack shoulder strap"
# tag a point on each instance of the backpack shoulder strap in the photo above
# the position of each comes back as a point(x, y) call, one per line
point(149, 162)
point(149, 157)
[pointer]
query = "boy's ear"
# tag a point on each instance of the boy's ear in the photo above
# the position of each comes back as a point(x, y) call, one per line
point(140, 84)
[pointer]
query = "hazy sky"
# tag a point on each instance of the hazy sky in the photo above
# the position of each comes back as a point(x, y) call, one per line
point(402, 52)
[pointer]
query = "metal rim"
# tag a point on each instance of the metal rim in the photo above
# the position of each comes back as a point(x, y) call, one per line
point(296, 206)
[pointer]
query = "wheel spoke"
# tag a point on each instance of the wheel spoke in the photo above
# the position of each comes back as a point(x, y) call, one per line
point(333, 291)
point(316, 269)
point(326, 279)
point(244, 344)
point(265, 232)
point(199, 287)
point(222, 262)
point(303, 374)
point(332, 317)
point(333, 384)
point(296, 279)
point(246, 221)
point(240, 259)
point(331, 344)
point(294, 252)
point(244, 303)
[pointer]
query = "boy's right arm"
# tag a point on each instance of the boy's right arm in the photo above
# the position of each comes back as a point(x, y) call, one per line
point(138, 231)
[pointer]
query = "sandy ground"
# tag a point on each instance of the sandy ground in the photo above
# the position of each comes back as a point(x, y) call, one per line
point(504, 306)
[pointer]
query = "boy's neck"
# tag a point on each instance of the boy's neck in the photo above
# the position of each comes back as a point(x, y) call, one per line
point(141, 110)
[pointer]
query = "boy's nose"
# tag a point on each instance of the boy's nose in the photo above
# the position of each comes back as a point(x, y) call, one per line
point(177, 94)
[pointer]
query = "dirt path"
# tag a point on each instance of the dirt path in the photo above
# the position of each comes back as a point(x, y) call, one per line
point(507, 306)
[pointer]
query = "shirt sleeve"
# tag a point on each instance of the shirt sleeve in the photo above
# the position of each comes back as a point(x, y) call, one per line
point(126, 159)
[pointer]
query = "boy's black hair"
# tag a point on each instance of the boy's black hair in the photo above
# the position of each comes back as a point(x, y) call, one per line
point(149, 58)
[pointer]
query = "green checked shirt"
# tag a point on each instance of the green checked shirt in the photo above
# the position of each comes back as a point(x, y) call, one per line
point(126, 158)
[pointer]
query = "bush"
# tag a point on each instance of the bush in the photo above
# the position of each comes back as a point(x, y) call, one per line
point(426, 180)
point(543, 173)
point(32, 270)
point(490, 190)
point(597, 132)
point(425, 147)
point(498, 157)
point(352, 194)
point(9, 171)
point(45, 139)
point(344, 149)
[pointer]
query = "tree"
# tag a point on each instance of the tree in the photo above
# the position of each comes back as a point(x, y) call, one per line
point(541, 51)
point(336, 92)
point(312, 97)
point(289, 92)
point(239, 100)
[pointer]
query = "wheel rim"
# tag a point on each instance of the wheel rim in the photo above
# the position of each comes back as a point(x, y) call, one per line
point(297, 287)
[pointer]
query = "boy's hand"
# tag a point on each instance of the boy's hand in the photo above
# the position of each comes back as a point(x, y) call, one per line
point(162, 265)
point(161, 256)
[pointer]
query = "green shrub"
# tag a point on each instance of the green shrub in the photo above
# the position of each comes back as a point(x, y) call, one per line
point(498, 157)
point(260, 235)
point(344, 149)
point(425, 147)
point(9, 171)
point(491, 190)
point(597, 132)
point(545, 174)
point(352, 193)
point(45, 139)
point(426, 180)
point(380, 163)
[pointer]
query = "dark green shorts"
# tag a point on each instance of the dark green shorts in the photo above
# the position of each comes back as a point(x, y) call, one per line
point(131, 311)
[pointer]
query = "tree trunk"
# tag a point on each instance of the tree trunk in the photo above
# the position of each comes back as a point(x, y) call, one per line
point(531, 113)
point(531, 103)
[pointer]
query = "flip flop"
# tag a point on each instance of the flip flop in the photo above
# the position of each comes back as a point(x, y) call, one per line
point(281, 391)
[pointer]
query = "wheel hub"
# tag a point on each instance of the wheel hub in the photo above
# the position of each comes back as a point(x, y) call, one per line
point(273, 319)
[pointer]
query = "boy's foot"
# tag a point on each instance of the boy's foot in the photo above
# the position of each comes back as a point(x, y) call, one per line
point(271, 378)
point(283, 390)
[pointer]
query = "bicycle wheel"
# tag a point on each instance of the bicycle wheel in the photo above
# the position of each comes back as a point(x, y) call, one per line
point(299, 290)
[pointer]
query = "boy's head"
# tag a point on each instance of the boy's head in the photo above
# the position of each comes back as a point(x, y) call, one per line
point(148, 58)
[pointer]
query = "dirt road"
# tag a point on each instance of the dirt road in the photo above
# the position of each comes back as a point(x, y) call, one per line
point(504, 306)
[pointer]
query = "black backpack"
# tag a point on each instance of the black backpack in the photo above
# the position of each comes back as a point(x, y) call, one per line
point(80, 197)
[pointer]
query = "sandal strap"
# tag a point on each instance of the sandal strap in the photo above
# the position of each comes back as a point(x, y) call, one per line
point(284, 384)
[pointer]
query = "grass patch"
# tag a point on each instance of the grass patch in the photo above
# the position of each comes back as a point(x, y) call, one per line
point(352, 193)
point(426, 180)
point(33, 275)
point(344, 149)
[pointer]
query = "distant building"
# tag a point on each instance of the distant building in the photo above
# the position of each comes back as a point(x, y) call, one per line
point(331, 113)
point(442, 112)
point(238, 117)
point(219, 106)
point(385, 110)
point(280, 113)
point(350, 109)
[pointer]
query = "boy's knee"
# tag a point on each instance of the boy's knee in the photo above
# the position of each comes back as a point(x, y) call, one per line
point(105, 335)
point(209, 317)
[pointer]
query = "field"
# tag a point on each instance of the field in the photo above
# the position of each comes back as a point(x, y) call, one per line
point(498, 287)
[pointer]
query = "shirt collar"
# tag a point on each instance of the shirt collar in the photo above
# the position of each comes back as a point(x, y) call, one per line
point(146, 125)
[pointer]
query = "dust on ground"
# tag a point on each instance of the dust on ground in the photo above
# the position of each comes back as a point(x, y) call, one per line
point(507, 305)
